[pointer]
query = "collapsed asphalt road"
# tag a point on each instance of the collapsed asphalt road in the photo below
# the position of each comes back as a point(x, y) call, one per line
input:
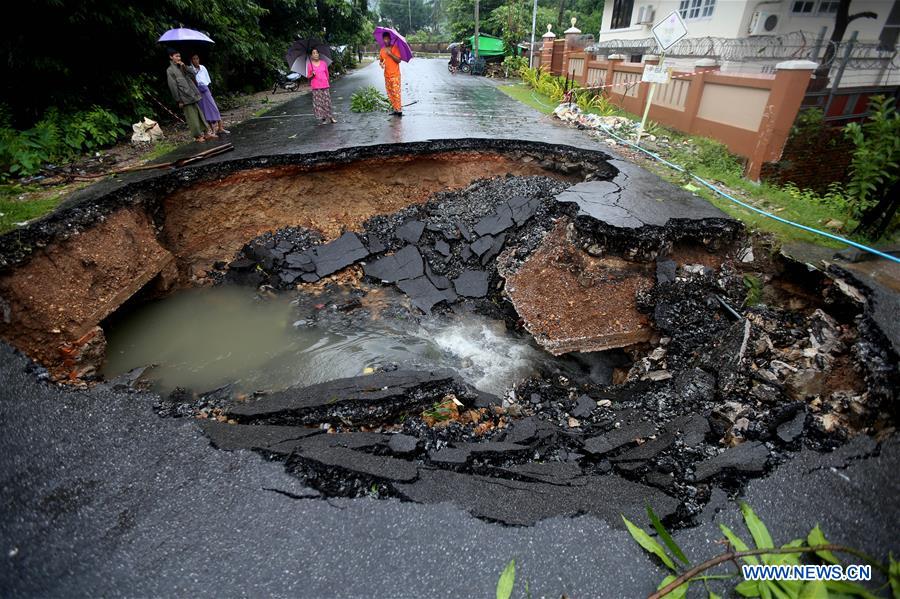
point(103, 497)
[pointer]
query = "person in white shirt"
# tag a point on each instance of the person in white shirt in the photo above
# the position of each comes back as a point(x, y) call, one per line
point(207, 104)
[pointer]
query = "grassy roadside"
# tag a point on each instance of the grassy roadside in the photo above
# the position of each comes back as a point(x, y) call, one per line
point(14, 209)
point(710, 164)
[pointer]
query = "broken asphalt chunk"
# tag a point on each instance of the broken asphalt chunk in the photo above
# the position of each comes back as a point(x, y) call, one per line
point(619, 437)
point(471, 283)
point(449, 456)
point(423, 294)
point(278, 440)
point(512, 501)
point(584, 407)
point(337, 462)
point(442, 247)
point(359, 399)
point(401, 444)
point(495, 223)
point(340, 253)
point(410, 231)
point(747, 458)
point(522, 208)
point(481, 245)
point(405, 264)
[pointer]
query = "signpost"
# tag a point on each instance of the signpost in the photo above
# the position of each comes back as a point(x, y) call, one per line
point(667, 32)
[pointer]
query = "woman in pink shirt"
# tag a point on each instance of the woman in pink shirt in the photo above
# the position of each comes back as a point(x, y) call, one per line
point(317, 73)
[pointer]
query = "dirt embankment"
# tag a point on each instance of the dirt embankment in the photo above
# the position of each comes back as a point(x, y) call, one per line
point(64, 291)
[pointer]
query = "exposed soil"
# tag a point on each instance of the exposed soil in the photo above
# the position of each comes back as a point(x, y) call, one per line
point(210, 221)
point(62, 293)
point(562, 292)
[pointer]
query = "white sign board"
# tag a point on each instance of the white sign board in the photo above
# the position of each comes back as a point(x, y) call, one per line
point(655, 73)
point(669, 30)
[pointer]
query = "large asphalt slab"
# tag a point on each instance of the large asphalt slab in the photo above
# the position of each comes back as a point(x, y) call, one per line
point(101, 497)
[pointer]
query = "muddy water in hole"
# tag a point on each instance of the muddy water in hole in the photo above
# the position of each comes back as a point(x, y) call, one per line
point(204, 338)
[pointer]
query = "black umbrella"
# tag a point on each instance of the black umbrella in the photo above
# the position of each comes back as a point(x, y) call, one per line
point(298, 53)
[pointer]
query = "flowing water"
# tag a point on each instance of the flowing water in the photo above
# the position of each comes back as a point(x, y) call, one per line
point(204, 338)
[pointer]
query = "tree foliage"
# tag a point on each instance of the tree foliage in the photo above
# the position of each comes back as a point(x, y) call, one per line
point(511, 19)
point(407, 16)
point(73, 54)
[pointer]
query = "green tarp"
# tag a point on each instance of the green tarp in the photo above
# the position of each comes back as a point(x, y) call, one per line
point(488, 45)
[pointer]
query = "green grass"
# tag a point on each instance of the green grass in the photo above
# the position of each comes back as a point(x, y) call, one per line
point(160, 149)
point(526, 95)
point(713, 163)
point(13, 210)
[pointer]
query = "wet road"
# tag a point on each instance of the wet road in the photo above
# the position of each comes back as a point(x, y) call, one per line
point(443, 106)
point(100, 497)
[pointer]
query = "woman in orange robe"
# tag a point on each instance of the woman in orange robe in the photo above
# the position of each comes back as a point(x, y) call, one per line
point(389, 57)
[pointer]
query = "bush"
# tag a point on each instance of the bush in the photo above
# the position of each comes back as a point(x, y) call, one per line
point(708, 158)
point(341, 62)
point(514, 64)
point(368, 99)
point(874, 166)
point(55, 138)
point(835, 197)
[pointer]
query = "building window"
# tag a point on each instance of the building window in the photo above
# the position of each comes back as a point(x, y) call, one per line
point(803, 7)
point(828, 7)
point(621, 16)
point(891, 30)
point(696, 9)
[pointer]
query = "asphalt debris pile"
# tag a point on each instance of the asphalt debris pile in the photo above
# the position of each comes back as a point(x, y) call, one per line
point(430, 438)
point(437, 253)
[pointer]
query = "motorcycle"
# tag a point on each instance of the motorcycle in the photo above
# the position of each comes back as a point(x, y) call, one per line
point(289, 82)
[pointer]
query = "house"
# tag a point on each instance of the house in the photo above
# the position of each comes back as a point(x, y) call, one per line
point(632, 19)
point(752, 36)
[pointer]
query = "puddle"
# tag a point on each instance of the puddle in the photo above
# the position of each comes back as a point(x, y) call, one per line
point(205, 338)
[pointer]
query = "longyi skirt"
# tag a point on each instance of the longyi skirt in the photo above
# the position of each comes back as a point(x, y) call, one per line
point(208, 106)
point(322, 103)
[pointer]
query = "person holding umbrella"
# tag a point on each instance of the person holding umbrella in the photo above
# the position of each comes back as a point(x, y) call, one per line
point(207, 104)
point(317, 73)
point(186, 95)
point(454, 58)
point(389, 59)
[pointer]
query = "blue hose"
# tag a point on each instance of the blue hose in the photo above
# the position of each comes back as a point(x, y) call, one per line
point(754, 208)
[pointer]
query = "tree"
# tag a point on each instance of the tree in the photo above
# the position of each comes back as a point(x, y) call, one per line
point(406, 16)
point(842, 20)
point(73, 54)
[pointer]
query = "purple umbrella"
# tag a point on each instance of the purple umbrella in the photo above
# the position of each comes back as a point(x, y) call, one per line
point(183, 34)
point(406, 53)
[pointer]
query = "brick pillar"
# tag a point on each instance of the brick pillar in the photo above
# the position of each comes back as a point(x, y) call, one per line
point(547, 48)
point(791, 80)
point(571, 34)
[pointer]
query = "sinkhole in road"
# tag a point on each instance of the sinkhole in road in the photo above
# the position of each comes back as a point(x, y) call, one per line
point(382, 321)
